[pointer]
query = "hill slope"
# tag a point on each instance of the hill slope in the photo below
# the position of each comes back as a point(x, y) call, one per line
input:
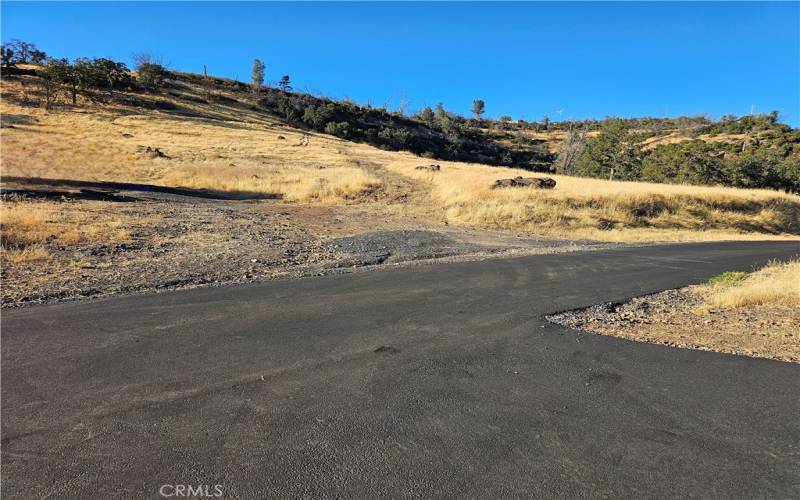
point(196, 185)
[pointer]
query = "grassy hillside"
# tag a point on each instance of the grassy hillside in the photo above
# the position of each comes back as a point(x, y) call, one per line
point(216, 135)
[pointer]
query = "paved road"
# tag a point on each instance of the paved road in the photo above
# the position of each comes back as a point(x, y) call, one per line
point(439, 381)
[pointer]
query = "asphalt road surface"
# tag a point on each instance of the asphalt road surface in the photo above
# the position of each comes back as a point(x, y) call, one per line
point(435, 381)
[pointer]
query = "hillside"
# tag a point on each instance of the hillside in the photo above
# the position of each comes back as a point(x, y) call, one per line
point(202, 181)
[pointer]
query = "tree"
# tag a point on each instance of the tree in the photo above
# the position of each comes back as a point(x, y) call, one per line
point(691, 162)
point(571, 149)
point(60, 72)
point(442, 117)
point(150, 73)
point(103, 73)
point(49, 82)
point(26, 53)
point(773, 117)
point(152, 76)
point(478, 107)
point(7, 56)
point(284, 84)
point(612, 153)
point(426, 115)
point(318, 117)
point(257, 75)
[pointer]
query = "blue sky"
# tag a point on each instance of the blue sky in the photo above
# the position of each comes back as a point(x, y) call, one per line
point(568, 60)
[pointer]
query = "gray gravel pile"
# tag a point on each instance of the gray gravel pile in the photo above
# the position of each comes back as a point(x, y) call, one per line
point(637, 310)
point(396, 246)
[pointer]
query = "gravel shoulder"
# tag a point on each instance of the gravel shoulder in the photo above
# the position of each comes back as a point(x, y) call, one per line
point(673, 318)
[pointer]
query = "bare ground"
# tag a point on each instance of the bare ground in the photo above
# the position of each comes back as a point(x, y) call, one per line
point(178, 241)
point(674, 318)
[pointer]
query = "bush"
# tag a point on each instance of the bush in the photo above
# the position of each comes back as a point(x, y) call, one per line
point(339, 129)
point(151, 76)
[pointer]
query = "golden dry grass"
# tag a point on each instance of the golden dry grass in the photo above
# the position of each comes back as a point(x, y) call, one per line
point(628, 211)
point(28, 228)
point(306, 185)
point(34, 253)
point(230, 152)
point(234, 149)
point(776, 284)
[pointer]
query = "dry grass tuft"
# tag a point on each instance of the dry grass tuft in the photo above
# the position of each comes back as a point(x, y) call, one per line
point(28, 228)
point(776, 284)
point(33, 253)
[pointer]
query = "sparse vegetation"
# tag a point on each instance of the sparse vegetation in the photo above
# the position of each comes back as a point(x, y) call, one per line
point(727, 278)
point(775, 284)
point(29, 227)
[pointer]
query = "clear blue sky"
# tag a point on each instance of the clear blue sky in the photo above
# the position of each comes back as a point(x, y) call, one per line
point(524, 59)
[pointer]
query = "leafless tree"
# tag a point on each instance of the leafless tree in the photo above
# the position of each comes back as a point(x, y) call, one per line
point(571, 150)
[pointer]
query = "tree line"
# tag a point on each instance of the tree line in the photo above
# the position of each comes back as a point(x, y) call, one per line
point(769, 159)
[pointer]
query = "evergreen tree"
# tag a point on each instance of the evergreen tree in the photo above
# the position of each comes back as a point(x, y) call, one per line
point(426, 115)
point(285, 85)
point(478, 107)
point(257, 75)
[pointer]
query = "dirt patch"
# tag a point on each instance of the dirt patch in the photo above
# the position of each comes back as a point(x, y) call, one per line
point(673, 318)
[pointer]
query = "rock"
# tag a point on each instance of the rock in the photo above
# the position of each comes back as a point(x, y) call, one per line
point(151, 152)
point(605, 224)
point(500, 183)
point(433, 167)
point(281, 138)
point(535, 182)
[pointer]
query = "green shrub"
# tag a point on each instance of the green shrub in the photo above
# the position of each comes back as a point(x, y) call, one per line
point(727, 278)
point(339, 129)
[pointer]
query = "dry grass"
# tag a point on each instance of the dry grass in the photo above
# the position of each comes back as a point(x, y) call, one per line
point(232, 148)
point(29, 228)
point(34, 253)
point(232, 152)
point(305, 185)
point(776, 284)
point(606, 210)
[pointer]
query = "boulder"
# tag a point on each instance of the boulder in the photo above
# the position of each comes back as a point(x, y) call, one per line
point(535, 182)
